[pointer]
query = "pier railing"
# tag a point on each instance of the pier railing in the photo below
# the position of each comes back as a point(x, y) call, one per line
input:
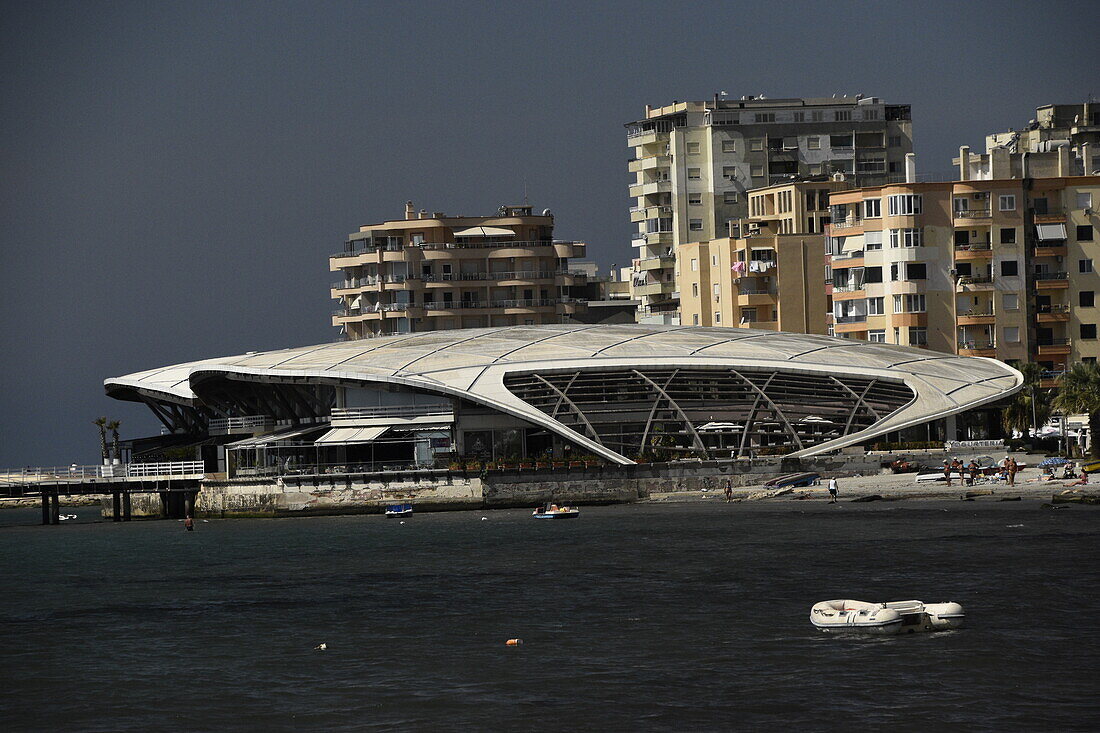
point(75, 474)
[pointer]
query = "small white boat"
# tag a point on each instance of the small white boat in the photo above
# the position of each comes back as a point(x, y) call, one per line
point(553, 511)
point(892, 617)
point(399, 510)
point(64, 517)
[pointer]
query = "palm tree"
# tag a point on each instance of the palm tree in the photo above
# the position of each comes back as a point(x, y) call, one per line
point(1031, 406)
point(1079, 392)
point(101, 423)
point(113, 426)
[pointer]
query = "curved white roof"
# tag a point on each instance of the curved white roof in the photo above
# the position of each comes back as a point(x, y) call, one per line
point(471, 363)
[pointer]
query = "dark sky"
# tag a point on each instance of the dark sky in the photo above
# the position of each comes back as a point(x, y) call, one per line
point(174, 175)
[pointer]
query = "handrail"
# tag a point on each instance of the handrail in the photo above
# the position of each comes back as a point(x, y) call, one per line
point(1051, 275)
point(972, 214)
point(506, 244)
point(344, 413)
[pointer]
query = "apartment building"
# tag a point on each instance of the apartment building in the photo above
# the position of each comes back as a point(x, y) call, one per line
point(695, 162)
point(996, 268)
point(437, 272)
point(764, 281)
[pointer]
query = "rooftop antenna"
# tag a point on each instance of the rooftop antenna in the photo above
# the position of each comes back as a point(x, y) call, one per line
point(525, 190)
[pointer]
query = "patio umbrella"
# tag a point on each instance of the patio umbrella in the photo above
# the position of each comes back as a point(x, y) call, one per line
point(1053, 462)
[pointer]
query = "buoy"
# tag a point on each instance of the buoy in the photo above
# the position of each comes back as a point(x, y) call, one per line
point(321, 647)
point(513, 642)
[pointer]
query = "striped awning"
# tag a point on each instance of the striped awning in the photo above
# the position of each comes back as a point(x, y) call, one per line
point(259, 441)
point(348, 436)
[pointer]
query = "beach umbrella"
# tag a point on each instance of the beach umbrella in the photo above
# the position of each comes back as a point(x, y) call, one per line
point(1053, 462)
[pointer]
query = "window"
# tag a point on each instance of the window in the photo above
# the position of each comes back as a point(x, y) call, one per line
point(1088, 330)
point(840, 141)
point(1012, 334)
point(1008, 235)
point(693, 174)
point(815, 169)
point(918, 336)
point(695, 319)
point(757, 171)
point(1087, 298)
point(916, 271)
point(1084, 265)
point(717, 317)
point(872, 240)
point(695, 225)
point(1010, 301)
point(729, 146)
point(756, 145)
point(910, 303)
point(764, 117)
point(695, 290)
point(1039, 205)
point(905, 204)
point(693, 148)
point(799, 117)
point(729, 172)
point(893, 166)
point(905, 238)
point(870, 114)
point(843, 115)
point(716, 289)
point(813, 142)
point(790, 143)
point(872, 208)
point(1084, 233)
point(876, 306)
point(1084, 201)
point(817, 116)
point(872, 274)
point(714, 260)
point(695, 199)
point(1010, 268)
point(729, 197)
point(894, 141)
point(1007, 203)
point(876, 337)
point(694, 265)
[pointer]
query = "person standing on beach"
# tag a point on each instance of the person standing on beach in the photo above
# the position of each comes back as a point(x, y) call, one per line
point(833, 490)
point(729, 490)
point(947, 472)
point(189, 524)
point(1012, 469)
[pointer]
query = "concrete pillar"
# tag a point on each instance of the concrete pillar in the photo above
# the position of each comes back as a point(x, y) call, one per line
point(126, 509)
point(55, 508)
point(116, 501)
point(910, 168)
point(951, 430)
point(964, 163)
point(1086, 159)
point(163, 504)
point(1063, 161)
point(45, 508)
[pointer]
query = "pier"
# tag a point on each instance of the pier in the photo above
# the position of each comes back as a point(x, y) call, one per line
point(176, 482)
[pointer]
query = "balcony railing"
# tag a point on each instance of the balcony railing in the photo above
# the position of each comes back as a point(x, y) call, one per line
point(974, 247)
point(245, 424)
point(1053, 342)
point(1051, 275)
point(495, 244)
point(975, 279)
point(755, 291)
point(849, 288)
point(850, 319)
point(975, 314)
point(347, 413)
point(977, 345)
point(851, 254)
point(1057, 308)
point(973, 214)
point(1050, 244)
point(851, 221)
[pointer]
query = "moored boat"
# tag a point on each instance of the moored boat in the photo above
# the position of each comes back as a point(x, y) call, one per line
point(399, 510)
point(891, 617)
point(553, 511)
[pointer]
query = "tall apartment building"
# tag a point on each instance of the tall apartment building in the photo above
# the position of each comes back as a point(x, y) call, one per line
point(997, 268)
point(772, 273)
point(695, 162)
point(433, 272)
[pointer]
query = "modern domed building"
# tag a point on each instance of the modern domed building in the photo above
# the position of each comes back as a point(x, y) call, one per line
point(621, 393)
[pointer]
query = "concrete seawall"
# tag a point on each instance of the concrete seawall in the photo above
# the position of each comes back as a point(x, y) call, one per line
point(445, 490)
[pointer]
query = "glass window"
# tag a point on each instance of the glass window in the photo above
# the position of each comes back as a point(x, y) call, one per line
point(757, 171)
point(693, 174)
point(695, 199)
point(695, 290)
point(799, 117)
point(1007, 203)
point(695, 225)
point(843, 115)
point(876, 306)
point(717, 317)
point(872, 240)
point(716, 289)
point(1010, 268)
point(729, 146)
point(872, 208)
point(894, 141)
point(813, 142)
point(692, 148)
point(916, 271)
point(1008, 235)
point(729, 197)
point(1084, 232)
point(729, 172)
point(1087, 298)
point(765, 117)
point(877, 337)
point(1088, 330)
point(1010, 301)
point(918, 336)
point(756, 145)
point(1084, 265)
point(905, 204)
point(905, 238)
point(1084, 200)
point(694, 265)
point(1012, 334)
point(695, 319)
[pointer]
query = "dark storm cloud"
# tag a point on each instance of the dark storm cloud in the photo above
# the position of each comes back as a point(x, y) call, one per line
point(175, 174)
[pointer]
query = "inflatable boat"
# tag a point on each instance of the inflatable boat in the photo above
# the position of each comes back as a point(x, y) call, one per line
point(892, 617)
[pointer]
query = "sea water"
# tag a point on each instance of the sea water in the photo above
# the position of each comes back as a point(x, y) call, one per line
point(656, 617)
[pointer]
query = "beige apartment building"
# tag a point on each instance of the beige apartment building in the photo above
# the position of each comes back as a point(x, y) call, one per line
point(695, 162)
point(997, 268)
point(435, 272)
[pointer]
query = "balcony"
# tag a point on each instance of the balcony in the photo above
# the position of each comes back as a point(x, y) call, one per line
point(641, 213)
point(976, 318)
point(851, 221)
point(656, 263)
point(248, 424)
point(971, 214)
point(977, 348)
point(1048, 379)
point(1053, 346)
point(1051, 280)
point(655, 289)
point(650, 188)
point(1050, 248)
point(857, 318)
point(974, 251)
point(649, 163)
point(1052, 215)
point(1052, 313)
point(975, 282)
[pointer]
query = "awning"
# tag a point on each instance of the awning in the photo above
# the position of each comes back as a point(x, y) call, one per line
point(851, 244)
point(347, 436)
point(873, 236)
point(259, 441)
point(485, 232)
point(1050, 231)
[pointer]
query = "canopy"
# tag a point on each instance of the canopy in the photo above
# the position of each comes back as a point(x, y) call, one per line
point(1050, 231)
point(346, 436)
point(1053, 462)
point(485, 232)
point(259, 441)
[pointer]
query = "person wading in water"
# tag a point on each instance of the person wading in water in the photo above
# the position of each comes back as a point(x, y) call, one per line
point(189, 524)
